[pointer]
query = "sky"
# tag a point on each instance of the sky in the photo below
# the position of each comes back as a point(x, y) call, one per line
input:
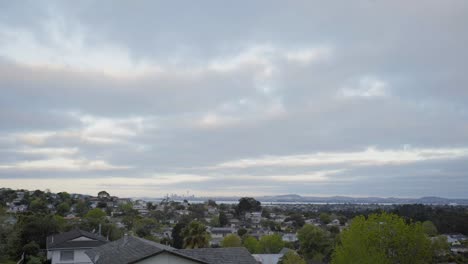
point(316, 98)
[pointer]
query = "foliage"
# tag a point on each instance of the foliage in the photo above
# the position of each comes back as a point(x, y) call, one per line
point(325, 218)
point(248, 204)
point(271, 244)
point(251, 244)
point(241, 231)
point(34, 260)
point(95, 215)
point(429, 228)
point(315, 243)
point(81, 208)
point(231, 241)
point(223, 220)
point(447, 219)
point(177, 238)
point(195, 235)
point(212, 203)
point(63, 208)
point(32, 248)
point(297, 219)
point(38, 206)
point(144, 226)
point(291, 257)
point(383, 238)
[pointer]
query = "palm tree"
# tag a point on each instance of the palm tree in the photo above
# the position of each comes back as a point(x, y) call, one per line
point(195, 235)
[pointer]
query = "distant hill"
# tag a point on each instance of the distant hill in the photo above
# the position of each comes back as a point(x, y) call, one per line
point(294, 198)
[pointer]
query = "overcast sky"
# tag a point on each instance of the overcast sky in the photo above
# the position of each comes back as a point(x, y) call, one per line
point(145, 98)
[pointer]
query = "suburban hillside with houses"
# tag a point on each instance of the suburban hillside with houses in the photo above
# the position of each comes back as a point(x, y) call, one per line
point(45, 227)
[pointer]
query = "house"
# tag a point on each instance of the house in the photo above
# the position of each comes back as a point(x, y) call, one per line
point(267, 258)
point(456, 239)
point(70, 247)
point(334, 222)
point(218, 234)
point(254, 217)
point(130, 249)
point(289, 237)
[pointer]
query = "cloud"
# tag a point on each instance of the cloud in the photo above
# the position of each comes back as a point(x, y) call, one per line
point(62, 164)
point(268, 99)
point(367, 87)
point(368, 157)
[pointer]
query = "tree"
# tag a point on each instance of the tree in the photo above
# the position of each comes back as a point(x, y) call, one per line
point(96, 214)
point(63, 208)
point(271, 244)
point(231, 241)
point(248, 204)
point(38, 206)
point(195, 235)
point(429, 228)
point(241, 231)
point(223, 220)
point(212, 203)
point(291, 257)
point(177, 238)
point(251, 244)
point(81, 208)
point(297, 219)
point(103, 194)
point(325, 218)
point(383, 238)
point(31, 249)
point(315, 243)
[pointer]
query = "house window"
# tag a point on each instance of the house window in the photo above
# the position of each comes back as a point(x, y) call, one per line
point(67, 255)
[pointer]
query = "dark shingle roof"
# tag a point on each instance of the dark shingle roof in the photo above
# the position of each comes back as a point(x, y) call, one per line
point(126, 250)
point(238, 255)
point(63, 240)
point(131, 249)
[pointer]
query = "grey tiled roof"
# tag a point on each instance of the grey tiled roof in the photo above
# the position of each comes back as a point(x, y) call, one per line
point(131, 249)
point(238, 255)
point(63, 240)
point(125, 250)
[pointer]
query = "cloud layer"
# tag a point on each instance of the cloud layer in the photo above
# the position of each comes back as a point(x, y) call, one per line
point(362, 98)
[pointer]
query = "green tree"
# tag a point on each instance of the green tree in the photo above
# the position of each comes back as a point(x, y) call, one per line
point(34, 260)
point(247, 204)
point(429, 228)
point(31, 249)
point(291, 257)
point(441, 248)
point(177, 238)
point(96, 214)
point(38, 206)
point(241, 232)
point(251, 244)
point(231, 241)
point(223, 220)
point(315, 243)
point(81, 208)
point(325, 218)
point(383, 238)
point(214, 222)
point(271, 244)
point(297, 219)
point(63, 208)
point(195, 235)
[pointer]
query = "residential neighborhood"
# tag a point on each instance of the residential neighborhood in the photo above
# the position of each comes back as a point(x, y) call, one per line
point(109, 229)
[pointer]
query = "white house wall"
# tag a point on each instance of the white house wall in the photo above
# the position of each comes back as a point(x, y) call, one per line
point(79, 257)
